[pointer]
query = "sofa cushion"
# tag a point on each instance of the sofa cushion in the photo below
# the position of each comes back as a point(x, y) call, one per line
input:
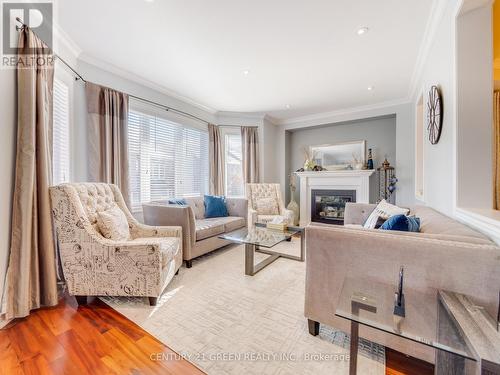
point(206, 228)
point(433, 222)
point(233, 222)
point(198, 206)
point(402, 223)
point(113, 224)
point(215, 206)
point(383, 210)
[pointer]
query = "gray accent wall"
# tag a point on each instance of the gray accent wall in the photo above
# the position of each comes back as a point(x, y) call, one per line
point(379, 133)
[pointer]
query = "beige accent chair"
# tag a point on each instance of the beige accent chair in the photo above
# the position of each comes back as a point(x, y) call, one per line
point(94, 265)
point(445, 254)
point(200, 235)
point(265, 204)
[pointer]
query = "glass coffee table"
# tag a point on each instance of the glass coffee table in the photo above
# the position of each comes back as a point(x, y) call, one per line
point(426, 321)
point(261, 239)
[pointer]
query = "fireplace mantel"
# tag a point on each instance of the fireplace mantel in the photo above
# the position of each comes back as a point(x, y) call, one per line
point(358, 180)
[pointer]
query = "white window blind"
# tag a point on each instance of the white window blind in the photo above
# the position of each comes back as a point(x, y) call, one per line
point(60, 134)
point(167, 160)
point(233, 165)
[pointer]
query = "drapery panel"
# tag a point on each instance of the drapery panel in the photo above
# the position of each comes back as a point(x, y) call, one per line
point(216, 160)
point(250, 153)
point(496, 125)
point(31, 280)
point(108, 137)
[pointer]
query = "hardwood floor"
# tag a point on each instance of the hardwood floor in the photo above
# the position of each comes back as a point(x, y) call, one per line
point(95, 339)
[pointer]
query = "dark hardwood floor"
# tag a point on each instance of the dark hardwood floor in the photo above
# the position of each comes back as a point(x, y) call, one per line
point(95, 339)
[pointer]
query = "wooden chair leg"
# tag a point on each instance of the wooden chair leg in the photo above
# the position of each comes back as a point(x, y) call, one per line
point(189, 263)
point(81, 300)
point(177, 272)
point(313, 327)
point(153, 301)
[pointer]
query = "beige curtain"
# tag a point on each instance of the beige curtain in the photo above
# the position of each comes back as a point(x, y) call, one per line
point(496, 118)
point(250, 152)
point(108, 139)
point(216, 160)
point(31, 274)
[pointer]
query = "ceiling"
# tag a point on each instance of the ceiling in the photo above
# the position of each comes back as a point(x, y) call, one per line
point(303, 54)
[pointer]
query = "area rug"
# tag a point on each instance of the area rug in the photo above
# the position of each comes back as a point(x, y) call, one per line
point(228, 323)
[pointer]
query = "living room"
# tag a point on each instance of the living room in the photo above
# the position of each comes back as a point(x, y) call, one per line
point(250, 187)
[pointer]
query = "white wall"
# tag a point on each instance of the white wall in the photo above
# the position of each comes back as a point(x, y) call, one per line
point(8, 111)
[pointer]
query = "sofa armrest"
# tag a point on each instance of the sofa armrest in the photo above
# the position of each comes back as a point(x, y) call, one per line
point(237, 207)
point(161, 214)
point(357, 213)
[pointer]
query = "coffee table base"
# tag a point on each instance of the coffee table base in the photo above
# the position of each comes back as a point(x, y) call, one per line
point(250, 250)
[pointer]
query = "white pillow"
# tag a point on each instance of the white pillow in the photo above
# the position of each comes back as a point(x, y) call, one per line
point(383, 210)
point(267, 206)
point(113, 224)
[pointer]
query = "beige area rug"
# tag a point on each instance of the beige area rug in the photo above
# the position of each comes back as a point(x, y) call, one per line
point(228, 323)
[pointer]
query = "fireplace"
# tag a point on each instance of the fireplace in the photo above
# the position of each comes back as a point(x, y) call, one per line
point(328, 206)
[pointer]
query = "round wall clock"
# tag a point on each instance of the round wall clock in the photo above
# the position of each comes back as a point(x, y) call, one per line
point(434, 114)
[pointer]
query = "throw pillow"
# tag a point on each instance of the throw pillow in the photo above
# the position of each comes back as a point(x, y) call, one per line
point(113, 224)
point(402, 223)
point(384, 211)
point(215, 206)
point(179, 201)
point(267, 206)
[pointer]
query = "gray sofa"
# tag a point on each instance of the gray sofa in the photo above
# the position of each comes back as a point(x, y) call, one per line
point(199, 234)
point(444, 255)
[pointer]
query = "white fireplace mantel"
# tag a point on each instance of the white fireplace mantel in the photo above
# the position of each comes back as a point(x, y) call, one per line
point(358, 180)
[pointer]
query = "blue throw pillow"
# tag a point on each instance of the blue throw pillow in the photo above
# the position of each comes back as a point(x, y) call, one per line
point(402, 223)
point(215, 206)
point(180, 201)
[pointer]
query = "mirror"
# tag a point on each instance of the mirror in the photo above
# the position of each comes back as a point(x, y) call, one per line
point(340, 156)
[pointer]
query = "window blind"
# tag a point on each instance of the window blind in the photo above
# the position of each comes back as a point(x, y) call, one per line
point(60, 134)
point(166, 159)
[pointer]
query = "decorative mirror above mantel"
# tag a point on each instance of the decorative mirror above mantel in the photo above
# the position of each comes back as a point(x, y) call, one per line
point(340, 156)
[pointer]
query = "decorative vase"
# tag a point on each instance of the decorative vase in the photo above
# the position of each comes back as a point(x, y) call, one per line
point(293, 206)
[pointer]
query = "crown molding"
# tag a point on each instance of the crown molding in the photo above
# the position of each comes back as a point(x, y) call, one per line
point(329, 117)
point(142, 81)
point(437, 13)
point(69, 44)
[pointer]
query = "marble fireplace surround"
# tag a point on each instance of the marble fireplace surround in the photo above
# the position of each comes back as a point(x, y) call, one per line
point(358, 180)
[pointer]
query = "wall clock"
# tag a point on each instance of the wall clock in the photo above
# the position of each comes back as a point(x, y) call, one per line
point(434, 114)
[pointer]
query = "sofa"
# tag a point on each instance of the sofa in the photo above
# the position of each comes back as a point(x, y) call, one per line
point(199, 234)
point(265, 204)
point(445, 254)
point(141, 266)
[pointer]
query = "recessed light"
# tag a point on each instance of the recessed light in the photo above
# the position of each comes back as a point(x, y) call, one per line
point(246, 72)
point(363, 30)
point(370, 88)
point(287, 106)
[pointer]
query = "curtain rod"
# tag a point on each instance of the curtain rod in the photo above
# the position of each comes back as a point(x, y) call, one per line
point(80, 78)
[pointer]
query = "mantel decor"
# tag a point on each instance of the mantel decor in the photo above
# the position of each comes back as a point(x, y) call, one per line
point(386, 181)
point(434, 114)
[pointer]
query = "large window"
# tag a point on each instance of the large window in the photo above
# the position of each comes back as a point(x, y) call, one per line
point(166, 159)
point(234, 185)
point(60, 134)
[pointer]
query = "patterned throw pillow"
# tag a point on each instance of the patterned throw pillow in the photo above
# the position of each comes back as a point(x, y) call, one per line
point(113, 224)
point(267, 206)
point(384, 211)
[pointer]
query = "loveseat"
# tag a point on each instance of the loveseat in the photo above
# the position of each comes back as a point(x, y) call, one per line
point(200, 235)
point(445, 254)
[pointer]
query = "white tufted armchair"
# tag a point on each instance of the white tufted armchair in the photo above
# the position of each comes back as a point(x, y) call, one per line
point(94, 265)
point(265, 203)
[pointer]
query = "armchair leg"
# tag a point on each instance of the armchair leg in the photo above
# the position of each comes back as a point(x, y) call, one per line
point(81, 300)
point(177, 272)
point(313, 327)
point(189, 263)
point(153, 301)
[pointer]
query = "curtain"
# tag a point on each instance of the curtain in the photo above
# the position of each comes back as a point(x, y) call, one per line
point(31, 275)
point(108, 137)
point(250, 153)
point(216, 160)
point(496, 119)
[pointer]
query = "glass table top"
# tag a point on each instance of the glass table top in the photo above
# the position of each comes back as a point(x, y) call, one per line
point(371, 303)
point(260, 236)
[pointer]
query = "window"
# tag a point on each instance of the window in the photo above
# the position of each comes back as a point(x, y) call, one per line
point(166, 159)
point(233, 164)
point(60, 134)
